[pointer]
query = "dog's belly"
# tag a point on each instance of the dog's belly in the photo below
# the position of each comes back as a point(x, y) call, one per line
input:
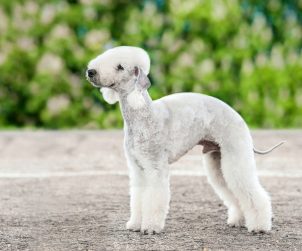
point(179, 144)
point(208, 146)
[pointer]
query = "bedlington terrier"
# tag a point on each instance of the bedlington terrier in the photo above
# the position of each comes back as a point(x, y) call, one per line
point(157, 133)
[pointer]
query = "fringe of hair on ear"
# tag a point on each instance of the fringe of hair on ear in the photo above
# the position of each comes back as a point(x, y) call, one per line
point(109, 95)
point(135, 99)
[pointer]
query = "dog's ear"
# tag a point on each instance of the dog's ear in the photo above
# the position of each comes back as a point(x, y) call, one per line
point(142, 80)
point(109, 95)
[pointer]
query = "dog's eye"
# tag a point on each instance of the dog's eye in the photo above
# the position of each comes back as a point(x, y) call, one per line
point(120, 67)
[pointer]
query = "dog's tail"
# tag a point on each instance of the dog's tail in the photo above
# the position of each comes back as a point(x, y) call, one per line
point(268, 150)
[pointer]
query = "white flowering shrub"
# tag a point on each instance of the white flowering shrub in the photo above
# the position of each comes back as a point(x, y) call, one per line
point(247, 53)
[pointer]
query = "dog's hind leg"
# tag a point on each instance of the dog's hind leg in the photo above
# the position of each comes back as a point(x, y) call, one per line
point(239, 170)
point(215, 178)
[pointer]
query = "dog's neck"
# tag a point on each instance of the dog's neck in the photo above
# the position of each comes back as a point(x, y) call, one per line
point(136, 107)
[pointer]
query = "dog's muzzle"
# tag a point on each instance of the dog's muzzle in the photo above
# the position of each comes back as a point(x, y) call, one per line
point(91, 73)
point(93, 78)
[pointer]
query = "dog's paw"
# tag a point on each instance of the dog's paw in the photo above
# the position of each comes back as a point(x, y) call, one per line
point(235, 218)
point(235, 221)
point(151, 229)
point(261, 225)
point(133, 226)
point(259, 228)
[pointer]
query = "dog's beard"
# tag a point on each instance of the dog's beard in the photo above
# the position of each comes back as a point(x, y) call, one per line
point(109, 95)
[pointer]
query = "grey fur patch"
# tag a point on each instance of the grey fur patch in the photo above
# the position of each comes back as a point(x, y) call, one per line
point(138, 164)
point(209, 146)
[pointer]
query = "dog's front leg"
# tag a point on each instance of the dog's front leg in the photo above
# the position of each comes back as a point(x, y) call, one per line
point(155, 201)
point(136, 191)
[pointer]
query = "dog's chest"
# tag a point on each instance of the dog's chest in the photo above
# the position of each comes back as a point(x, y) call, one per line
point(141, 142)
point(143, 147)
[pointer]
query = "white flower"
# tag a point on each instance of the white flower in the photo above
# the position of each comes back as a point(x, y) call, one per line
point(31, 7)
point(48, 13)
point(247, 66)
point(277, 57)
point(96, 38)
point(299, 97)
point(296, 33)
point(292, 57)
point(291, 19)
point(50, 63)
point(3, 57)
point(87, 2)
point(185, 59)
point(17, 11)
point(261, 60)
point(90, 13)
point(4, 52)
point(79, 52)
point(299, 61)
point(179, 7)
point(3, 21)
point(61, 31)
point(266, 35)
point(151, 15)
point(259, 23)
point(167, 38)
point(226, 63)
point(76, 84)
point(207, 66)
point(219, 10)
point(149, 10)
point(57, 104)
point(90, 2)
point(18, 19)
point(240, 41)
point(26, 43)
point(198, 46)
point(131, 27)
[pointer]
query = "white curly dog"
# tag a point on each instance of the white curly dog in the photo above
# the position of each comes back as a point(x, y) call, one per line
point(159, 132)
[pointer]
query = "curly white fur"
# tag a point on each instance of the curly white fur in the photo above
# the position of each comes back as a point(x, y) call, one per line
point(109, 95)
point(159, 132)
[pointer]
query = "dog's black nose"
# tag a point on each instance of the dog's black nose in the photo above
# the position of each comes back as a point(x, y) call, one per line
point(91, 73)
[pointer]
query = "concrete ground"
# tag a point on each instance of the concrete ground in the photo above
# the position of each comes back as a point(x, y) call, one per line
point(68, 190)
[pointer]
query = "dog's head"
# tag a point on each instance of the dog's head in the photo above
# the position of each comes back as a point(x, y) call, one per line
point(119, 70)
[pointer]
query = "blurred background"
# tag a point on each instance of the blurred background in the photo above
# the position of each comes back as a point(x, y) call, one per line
point(246, 53)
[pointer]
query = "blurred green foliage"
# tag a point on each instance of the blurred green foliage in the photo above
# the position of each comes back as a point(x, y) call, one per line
point(247, 53)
